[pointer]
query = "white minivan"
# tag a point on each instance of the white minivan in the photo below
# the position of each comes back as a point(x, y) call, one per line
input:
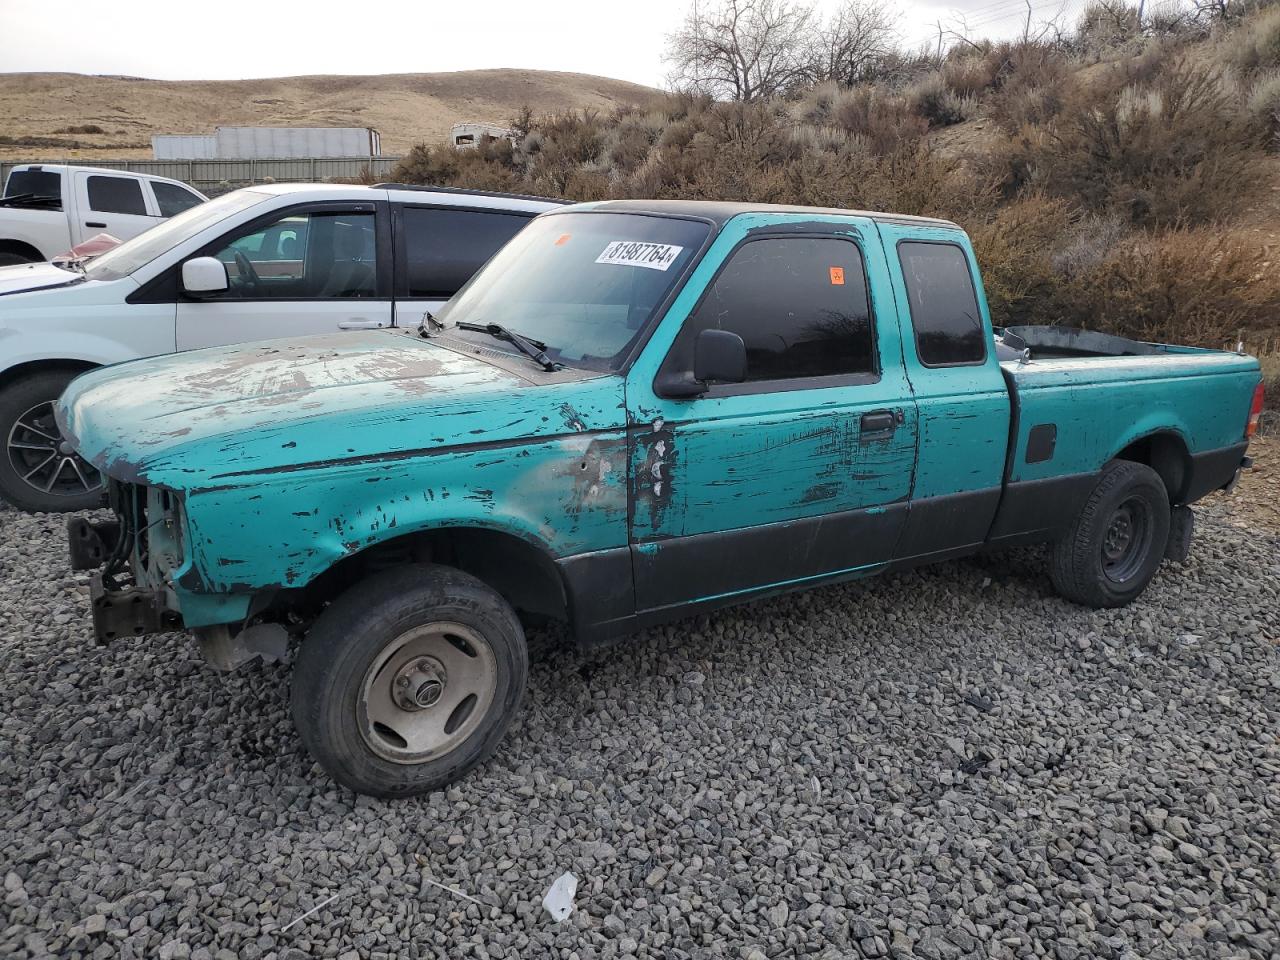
point(267, 261)
point(46, 209)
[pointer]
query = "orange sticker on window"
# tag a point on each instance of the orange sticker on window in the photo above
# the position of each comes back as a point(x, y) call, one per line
point(562, 239)
point(837, 276)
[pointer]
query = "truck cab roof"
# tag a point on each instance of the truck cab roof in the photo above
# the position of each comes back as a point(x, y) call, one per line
point(720, 212)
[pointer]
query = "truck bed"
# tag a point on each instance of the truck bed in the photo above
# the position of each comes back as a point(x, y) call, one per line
point(1073, 412)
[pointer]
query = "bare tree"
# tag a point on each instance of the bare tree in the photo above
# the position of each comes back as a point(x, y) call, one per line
point(1049, 30)
point(858, 37)
point(743, 50)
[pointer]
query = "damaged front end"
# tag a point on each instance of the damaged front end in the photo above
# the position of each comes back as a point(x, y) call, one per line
point(139, 557)
point(137, 552)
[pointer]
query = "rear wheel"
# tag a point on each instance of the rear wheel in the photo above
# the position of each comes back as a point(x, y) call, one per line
point(409, 680)
point(1116, 543)
point(39, 471)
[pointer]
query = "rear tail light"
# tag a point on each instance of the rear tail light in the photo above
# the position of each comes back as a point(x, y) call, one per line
point(1255, 411)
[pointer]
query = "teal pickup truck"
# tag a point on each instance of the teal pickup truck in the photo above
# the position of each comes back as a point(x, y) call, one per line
point(634, 412)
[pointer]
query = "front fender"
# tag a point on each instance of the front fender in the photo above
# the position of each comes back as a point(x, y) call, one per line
point(565, 495)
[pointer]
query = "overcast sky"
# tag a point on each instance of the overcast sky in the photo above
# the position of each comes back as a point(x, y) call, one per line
point(180, 40)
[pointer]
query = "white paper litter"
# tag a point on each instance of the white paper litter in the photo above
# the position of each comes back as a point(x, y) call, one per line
point(559, 899)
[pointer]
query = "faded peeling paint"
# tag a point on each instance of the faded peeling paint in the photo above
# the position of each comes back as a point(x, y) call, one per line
point(290, 456)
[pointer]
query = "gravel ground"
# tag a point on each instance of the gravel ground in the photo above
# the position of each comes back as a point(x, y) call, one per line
point(945, 763)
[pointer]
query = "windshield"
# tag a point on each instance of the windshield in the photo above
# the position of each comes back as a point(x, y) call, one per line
point(137, 253)
point(585, 284)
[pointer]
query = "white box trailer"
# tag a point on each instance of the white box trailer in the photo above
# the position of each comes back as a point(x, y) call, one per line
point(183, 146)
point(269, 143)
point(266, 143)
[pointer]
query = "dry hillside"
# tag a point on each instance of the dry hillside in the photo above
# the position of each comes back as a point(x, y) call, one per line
point(41, 114)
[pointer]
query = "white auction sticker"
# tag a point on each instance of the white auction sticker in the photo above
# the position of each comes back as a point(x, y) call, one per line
point(637, 253)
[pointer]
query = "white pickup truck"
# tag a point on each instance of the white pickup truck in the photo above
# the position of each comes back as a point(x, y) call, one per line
point(269, 261)
point(47, 209)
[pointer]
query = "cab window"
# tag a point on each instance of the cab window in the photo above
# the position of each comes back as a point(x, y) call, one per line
point(943, 303)
point(173, 199)
point(800, 305)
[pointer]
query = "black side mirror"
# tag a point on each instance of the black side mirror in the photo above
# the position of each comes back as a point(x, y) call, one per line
point(717, 355)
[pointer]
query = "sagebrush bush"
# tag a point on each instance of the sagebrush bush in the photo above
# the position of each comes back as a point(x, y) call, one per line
point(1197, 286)
point(1087, 242)
point(1177, 150)
point(886, 121)
point(935, 101)
point(969, 74)
point(1264, 107)
point(1015, 250)
point(1255, 45)
point(1033, 82)
point(1107, 25)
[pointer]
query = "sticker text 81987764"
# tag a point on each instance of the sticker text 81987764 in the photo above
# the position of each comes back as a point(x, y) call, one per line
point(637, 253)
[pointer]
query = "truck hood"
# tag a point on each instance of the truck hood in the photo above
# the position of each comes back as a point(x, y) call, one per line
point(227, 416)
point(36, 276)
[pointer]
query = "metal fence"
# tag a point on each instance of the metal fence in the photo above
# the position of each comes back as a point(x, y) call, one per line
point(218, 176)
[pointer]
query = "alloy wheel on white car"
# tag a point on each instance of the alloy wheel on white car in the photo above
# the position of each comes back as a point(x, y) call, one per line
point(44, 460)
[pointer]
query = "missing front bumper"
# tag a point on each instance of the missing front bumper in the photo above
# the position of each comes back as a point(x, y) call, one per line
point(129, 612)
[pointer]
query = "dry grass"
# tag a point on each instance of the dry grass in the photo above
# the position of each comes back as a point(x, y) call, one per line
point(405, 108)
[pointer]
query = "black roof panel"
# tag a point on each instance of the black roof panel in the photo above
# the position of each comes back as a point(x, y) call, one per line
point(722, 211)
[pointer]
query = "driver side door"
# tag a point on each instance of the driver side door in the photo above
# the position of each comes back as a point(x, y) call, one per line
point(317, 268)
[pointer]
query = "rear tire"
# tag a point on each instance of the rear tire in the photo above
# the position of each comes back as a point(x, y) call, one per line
point(408, 680)
point(37, 473)
point(1115, 544)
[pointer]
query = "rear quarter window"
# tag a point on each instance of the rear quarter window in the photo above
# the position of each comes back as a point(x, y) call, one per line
point(943, 303)
point(173, 199)
point(441, 249)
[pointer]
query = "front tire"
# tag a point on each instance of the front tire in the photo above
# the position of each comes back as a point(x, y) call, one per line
point(409, 680)
point(1115, 544)
point(38, 470)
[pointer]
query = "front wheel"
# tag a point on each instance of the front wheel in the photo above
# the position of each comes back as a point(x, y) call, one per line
point(1115, 544)
point(38, 469)
point(409, 680)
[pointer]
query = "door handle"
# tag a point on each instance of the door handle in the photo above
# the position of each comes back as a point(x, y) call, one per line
point(95, 223)
point(878, 424)
point(360, 323)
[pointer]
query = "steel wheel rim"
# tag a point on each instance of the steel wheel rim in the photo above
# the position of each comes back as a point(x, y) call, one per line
point(1127, 540)
point(43, 460)
point(426, 692)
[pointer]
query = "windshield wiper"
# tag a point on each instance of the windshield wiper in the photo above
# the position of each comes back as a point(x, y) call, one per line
point(535, 350)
